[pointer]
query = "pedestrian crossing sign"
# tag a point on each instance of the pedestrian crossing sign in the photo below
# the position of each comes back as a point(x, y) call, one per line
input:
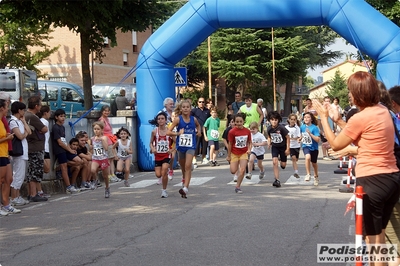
point(180, 76)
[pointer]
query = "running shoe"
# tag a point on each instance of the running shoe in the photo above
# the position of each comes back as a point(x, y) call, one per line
point(3, 213)
point(71, 189)
point(10, 209)
point(205, 161)
point(235, 178)
point(248, 175)
point(159, 181)
point(276, 183)
point(164, 194)
point(44, 195)
point(107, 193)
point(126, 183)
point(170, 174)
point(261, 175)
point(38, 198)
point(326, 158)
point(93, 184)
point(238, 190)
point(307, 178)
point(296, 175)
point(85, 186)
point(316, 181)
point(216, 163)
point(183, 193)
point(18, 201)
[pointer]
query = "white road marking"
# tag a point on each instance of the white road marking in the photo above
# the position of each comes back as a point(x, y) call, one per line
point(197, 181)
point(299, 181)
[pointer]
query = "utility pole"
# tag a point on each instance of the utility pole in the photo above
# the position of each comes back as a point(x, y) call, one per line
point(273, 69)
point(209, 67)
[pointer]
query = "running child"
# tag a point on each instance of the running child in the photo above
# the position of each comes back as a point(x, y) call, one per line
point(279, 143)
point(187, 129)
point(310, 137)
point(161, 147)
point(226, 141)
point(122, 149)
point(294, 133)
point(100, 156)
point(211, 135)
point(239, 148)
point(257, 152)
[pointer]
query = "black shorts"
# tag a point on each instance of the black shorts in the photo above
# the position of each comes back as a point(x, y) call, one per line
point(259, 157)
point(279, 151)
point(295, 152)
point(313, 154)
point(4, 161)
point(160, 163)
point(381, 194)
point(46, 155)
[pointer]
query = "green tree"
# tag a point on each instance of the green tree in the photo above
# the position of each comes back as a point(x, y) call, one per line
point(92, 20)
point(337, 87)
point(17, 40)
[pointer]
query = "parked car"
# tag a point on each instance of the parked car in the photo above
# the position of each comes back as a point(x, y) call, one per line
point(108, 91)
point(65, 95)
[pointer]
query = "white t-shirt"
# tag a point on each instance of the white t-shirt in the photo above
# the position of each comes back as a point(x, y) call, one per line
point(258, 138)
point(294, 134)
point(47, 135)
point(15, 122)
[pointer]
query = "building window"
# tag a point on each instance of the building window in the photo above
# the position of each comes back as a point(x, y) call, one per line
point(106, 43)
point(125, 58)
point(63, 79)
point(134, 41)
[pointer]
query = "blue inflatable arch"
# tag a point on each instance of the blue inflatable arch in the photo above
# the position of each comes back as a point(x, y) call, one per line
point(355, 20)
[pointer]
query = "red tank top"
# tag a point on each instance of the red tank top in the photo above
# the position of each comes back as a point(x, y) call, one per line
point(163, 144)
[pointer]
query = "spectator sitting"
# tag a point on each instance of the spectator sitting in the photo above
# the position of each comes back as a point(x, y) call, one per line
point(74, 162)
point(86, 157)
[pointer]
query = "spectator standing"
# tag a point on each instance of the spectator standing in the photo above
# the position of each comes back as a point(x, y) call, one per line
point(44, 116)
point(201, 113)
point(260, 103)
point(252, 111)
point(237, 103)
point(168, 108)
point(35, 147)
point(121, 100)
point(20, 128)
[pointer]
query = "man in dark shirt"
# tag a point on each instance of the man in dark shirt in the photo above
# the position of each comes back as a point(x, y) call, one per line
point(237, 103)
point(201, 113)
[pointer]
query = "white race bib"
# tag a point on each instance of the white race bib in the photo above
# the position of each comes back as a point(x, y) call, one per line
point(162, 146)
point(185, 140)
point(276, 138)
point(64, 141)
point(307, 140)
point(98, 151)
point(240, 141)
point(214, 134)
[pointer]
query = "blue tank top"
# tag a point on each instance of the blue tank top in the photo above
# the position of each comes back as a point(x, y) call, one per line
point(186, 141)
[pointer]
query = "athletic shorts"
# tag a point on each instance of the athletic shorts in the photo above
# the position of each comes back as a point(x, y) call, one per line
point(182, 155)
point(102, 163)
point(160, 163)
point(215, 143)
point(239, 157)
point(259, 157)
point(313, 154)
point(279, 152)
point(295, 152)
point(381, 195)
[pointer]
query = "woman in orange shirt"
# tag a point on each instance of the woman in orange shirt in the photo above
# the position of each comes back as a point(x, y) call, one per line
point(372, 130)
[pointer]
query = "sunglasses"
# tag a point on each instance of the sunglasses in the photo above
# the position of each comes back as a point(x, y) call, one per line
point(200, 102)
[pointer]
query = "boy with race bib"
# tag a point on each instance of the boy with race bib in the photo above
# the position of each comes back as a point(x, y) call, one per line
point(187, 129)
point(211, 135)
point(279, 143)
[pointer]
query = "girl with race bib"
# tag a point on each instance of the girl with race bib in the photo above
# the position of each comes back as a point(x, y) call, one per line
point(100, 156)
point(122, 148)
point(161, 147)
point(187, 129)
point(310, 137)
point(279, 143)
point(294, 133)
point(239, 147)
point(211, 135)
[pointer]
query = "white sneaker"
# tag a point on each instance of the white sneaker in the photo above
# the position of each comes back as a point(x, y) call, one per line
point(249, 175)
point(113, 179)
point(164, 194)
point(235, 178)
point(71, 189)
point(3, 213)
point(10, 210)
point(307, 177)
point(186, 190)
point(205, 161)
point(194, 160)
point(159, 181)
point(170, 174)
point(316, 181)
point(19, 201)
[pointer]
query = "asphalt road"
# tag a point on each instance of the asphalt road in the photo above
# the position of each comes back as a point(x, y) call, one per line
point(213, 226)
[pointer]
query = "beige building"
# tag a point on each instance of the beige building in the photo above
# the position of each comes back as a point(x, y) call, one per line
point(346, 68)
point(65, 64)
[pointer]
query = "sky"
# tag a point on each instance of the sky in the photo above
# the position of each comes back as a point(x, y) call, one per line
point(339, 45)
